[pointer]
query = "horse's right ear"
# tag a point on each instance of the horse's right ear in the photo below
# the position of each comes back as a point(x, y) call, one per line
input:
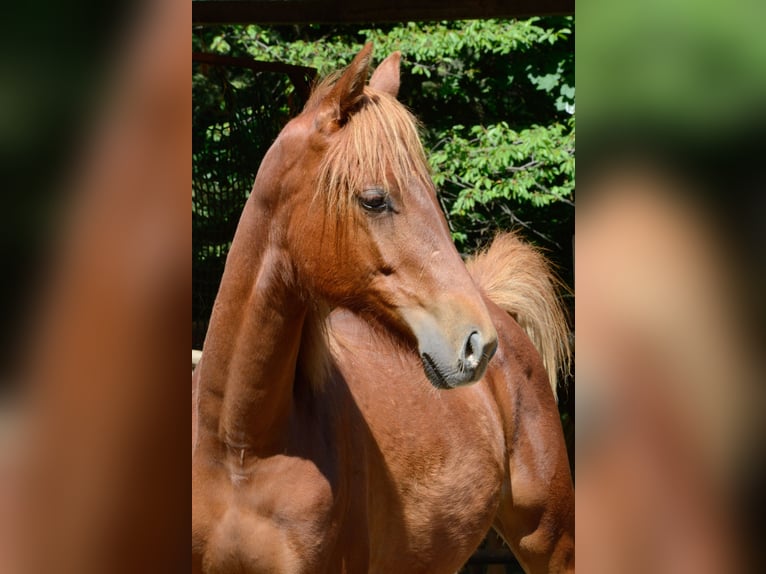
point(348, 92)
point(385, 78)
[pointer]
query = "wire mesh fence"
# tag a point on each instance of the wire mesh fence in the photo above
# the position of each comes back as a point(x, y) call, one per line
point(238, 110)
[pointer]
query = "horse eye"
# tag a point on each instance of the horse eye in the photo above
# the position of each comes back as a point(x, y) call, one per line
point(374, 200)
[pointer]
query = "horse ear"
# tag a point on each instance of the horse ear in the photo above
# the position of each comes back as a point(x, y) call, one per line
point(385, 78)
point(348, 91)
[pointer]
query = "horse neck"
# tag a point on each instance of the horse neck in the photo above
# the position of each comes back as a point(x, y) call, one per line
point(248, 366)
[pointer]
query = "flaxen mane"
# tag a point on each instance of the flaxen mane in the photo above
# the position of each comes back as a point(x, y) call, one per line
point(520, 281)
point(378, 145)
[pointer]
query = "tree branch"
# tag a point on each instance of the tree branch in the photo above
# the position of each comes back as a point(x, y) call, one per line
point(516, 219)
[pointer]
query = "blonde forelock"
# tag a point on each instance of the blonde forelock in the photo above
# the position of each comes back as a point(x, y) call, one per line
point(378, 145)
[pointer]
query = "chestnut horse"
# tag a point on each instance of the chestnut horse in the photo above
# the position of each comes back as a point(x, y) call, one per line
point(346, 415)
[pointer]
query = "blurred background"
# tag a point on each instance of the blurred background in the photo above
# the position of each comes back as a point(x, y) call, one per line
point(95, 237)
point(669, 280)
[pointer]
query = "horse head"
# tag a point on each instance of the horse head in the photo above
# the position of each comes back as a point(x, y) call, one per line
point(352, 204)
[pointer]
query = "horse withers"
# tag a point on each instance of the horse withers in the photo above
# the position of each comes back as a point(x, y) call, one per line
point(364, 402)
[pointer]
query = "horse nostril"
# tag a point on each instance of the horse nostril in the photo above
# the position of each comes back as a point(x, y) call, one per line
point(473, 350)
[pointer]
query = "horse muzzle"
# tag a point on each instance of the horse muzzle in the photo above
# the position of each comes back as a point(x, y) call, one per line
point(453, 356)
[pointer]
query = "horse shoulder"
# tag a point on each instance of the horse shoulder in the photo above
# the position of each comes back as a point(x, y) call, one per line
point(293, 511)
point(536, 511)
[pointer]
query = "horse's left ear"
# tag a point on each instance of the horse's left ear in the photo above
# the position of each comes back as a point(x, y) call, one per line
point(348, 91)
point(385, 78)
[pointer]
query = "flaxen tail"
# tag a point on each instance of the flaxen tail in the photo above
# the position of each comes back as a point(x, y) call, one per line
point(519, 280)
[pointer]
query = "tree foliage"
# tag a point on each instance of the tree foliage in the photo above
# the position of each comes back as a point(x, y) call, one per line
point(496, 99)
